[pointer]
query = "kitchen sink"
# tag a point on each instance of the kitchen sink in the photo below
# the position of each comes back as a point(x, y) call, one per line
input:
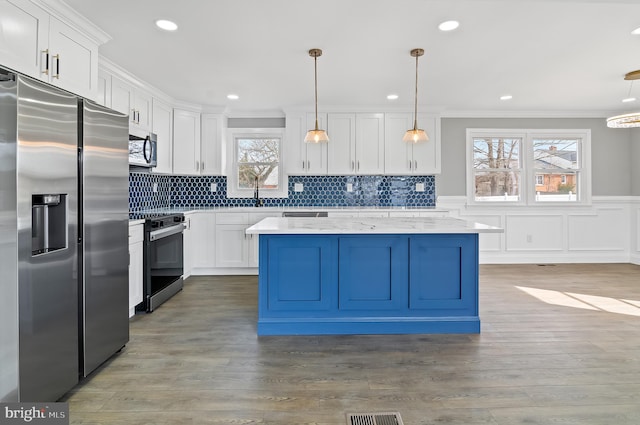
point(305, 214)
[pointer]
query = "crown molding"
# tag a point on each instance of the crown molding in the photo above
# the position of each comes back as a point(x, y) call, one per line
point(65, 13)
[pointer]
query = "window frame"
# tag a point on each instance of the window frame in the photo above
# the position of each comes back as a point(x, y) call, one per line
point(527, 193)
point(232, 159)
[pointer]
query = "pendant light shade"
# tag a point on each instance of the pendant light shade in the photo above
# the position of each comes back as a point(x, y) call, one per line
point(316, 135)
point(626, 120)
point(415, 134)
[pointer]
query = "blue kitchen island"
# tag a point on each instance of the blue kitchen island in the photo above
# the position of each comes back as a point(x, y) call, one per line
point(368, 275)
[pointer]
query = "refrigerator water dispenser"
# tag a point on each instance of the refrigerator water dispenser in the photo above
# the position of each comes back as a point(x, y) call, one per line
point(48, 223)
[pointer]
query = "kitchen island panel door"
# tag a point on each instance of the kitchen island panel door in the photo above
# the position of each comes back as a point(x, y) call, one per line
point(443, 273)
point(299, 273)
point(373, 272)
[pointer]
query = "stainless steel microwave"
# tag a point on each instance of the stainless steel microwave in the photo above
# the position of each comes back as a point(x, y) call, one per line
point(143, 150)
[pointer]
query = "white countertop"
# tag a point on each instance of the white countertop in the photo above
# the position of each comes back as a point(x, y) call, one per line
point(339, 225)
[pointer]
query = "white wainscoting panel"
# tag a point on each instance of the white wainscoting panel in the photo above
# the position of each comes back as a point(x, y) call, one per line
point(607, 230)
point(534, 232)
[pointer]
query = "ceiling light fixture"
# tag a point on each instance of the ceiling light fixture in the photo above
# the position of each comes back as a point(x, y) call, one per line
point(626, 120)
point(506, 97)
point(316, 135)
point(166, 25)
point(233, 96)
point(416, 135)
point(636, 31)
point(392, 97)
point(448, 25)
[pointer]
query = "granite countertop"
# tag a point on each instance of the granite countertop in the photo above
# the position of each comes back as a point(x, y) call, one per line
point(329, 225)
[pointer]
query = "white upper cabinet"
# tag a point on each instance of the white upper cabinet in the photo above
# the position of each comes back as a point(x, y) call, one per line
point(212, 147)
point(24, 36)
point(133, 102)
point(43, 47)
point(73, 63)
point(186, 142)
point(408, 158)
point(356, 144)
point(304, 158)
point(162, 126)
point(104, 89)
point(341, 148)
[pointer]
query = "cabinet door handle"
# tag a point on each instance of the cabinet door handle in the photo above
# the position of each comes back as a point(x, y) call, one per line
point(57, 74)
point(410, 165)
point(308, 165)
point(415, 164)
point(46, 62)
point(202, 165)
point(197, 166)
point(358, 169)
point(353, 166)
point(133, 115)
point(303, 165)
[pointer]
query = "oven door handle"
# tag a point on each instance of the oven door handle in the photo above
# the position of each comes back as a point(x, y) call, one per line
point(163, 233)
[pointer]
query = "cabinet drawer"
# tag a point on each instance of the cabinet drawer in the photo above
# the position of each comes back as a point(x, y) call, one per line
point(232, 218)
point(136, 233)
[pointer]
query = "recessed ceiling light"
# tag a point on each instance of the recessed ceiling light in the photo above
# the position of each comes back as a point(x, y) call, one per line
point(166, 25)
point(506, 97)
point(392, 96)
point(448, 25)
point(629, 99)
point(233, 96)
point(636, 31)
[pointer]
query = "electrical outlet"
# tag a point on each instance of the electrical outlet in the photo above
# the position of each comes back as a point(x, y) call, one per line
point(213, 188)
point(155, 186)
point(529, 239)
point(349, 187)
point(419, 187)
point(298, 187)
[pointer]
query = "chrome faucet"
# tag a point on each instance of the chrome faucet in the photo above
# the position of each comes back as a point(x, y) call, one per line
point(256, 194)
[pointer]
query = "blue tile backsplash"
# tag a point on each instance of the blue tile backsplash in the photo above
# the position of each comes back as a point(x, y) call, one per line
point(150, 191)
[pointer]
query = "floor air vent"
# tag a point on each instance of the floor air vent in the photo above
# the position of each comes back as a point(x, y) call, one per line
point(385, 418)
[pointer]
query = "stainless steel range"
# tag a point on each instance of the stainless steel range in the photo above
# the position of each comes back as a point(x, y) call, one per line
point(163, 264)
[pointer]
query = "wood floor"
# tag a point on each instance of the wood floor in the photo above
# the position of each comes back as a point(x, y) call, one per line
point(540, 359)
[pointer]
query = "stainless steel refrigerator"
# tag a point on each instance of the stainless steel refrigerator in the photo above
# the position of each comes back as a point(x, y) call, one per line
point(63, 286)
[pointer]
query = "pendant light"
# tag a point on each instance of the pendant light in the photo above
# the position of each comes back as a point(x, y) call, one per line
point(626, 120)
point(316, 135)
point(416, 135)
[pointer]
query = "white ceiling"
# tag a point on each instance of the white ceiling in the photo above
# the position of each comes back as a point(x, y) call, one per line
point(566, 56)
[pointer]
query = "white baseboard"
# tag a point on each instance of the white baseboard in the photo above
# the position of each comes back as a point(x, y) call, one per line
point(214, 271)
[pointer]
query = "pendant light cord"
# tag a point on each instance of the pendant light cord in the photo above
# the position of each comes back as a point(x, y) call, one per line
point(315, 68)
point(415, 115)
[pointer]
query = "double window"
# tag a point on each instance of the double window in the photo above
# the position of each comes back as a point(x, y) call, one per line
point(257, 161)
point(528, 166)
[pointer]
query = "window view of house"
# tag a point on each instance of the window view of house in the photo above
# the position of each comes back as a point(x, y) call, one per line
point(556, 161)
point(527, 166)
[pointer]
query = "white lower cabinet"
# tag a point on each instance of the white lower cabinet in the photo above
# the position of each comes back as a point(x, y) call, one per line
point(234, 248)
point(136, 233)
point(203, 227)
point(188, 245)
